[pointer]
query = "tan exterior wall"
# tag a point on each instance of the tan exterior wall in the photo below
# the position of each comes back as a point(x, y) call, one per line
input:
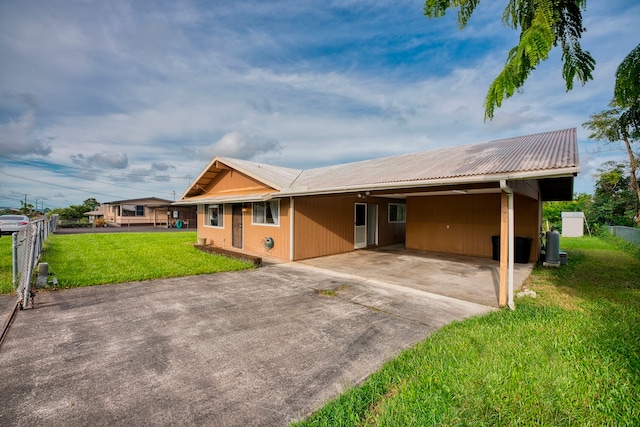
point(464, 224)
point(253, 234)
point(152, 216)
point(324, 225)
point(233, 182)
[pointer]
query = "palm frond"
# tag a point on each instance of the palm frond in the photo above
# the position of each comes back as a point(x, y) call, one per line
point(627, 88)
point(438, 8)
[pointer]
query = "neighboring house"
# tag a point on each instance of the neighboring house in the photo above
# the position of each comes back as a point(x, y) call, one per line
point(451, 200)
point(148, 211)
point(93, 215)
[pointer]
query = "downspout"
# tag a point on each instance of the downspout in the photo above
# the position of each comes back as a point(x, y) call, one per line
point(291, 228)
point(510, 237)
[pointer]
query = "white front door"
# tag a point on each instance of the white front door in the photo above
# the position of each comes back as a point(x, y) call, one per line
point(361, 226)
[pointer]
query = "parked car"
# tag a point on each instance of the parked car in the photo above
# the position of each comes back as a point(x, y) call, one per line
point(12, 223)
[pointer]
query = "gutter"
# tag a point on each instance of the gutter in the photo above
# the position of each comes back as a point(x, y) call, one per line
point(510, 237)
point(231, 199)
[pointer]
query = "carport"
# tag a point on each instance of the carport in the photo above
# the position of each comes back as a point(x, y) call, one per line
point(466, 278)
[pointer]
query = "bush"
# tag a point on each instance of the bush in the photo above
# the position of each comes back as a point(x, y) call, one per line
point(72, 224)
point(100, 222)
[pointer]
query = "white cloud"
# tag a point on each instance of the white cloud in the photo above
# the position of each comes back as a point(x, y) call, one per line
point(107, 160)
point(153, 92)
point(18, 137)
point(239, 145)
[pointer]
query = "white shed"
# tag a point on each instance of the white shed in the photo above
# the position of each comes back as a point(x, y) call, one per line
point(572, 224)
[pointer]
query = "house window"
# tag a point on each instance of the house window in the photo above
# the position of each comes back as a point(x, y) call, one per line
point(267, 213)
point(139, 210)
point(214, 216)
point(397, 212)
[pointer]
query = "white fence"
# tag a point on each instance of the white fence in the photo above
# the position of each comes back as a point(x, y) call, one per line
point(26, 251)
point(629, 234)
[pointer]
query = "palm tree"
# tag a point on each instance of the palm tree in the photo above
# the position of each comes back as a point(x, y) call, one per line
point(543, 25)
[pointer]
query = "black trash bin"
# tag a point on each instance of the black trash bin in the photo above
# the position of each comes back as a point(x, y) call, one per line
point(522, 249)
point(495, 243)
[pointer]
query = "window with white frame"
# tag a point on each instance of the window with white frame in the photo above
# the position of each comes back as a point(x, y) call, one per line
point(139, 210)
point(397, 212)
point(267, 213)
point(215, 215)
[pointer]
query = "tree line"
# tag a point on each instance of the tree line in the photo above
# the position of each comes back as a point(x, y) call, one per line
point(547, 24)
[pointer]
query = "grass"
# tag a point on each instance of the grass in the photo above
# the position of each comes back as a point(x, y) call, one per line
point(331, 292)
point(94, 259)
point(569, 357)
point(6, 268)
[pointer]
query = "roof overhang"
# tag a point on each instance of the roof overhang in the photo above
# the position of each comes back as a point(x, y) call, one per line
point(208, 174)
point(556, 189)
point(246, 198)
point(562, 178)
point(215, 168)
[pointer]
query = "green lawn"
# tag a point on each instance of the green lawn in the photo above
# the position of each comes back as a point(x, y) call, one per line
point(93, 259)
point(569, 357)
point(6, 271)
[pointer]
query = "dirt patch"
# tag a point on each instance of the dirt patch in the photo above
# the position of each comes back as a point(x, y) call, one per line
point(255, 260)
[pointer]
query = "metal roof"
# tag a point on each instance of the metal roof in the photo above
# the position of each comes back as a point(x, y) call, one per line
point(147, 201)
point(539, 153)
point(542, 155)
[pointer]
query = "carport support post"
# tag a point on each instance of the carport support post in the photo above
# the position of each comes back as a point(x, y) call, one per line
point(506, 246)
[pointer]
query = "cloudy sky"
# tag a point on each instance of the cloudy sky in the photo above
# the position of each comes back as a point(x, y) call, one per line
point(125, 99)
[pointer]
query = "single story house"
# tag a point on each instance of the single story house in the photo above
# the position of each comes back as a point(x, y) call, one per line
point(96, 214)
point(148, 211)
point(451, 200)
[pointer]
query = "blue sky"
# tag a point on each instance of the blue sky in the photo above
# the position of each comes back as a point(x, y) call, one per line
point(127, 99)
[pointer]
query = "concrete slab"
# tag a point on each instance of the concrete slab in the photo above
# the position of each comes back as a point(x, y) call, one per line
point(259, 347)
point(467, 278)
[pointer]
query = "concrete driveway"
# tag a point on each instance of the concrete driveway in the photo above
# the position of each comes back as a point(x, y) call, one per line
point(260, 347)
point(457, 276)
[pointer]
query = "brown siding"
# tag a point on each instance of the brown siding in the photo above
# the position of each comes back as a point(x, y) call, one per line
point(464, 224)
point(389, 233)
point(253, 234)
point(324, 225)
point(233, 182)
point(527, 222)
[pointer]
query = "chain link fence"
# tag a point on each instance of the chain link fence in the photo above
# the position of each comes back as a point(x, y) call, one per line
point(630, 234)
point(26, 251)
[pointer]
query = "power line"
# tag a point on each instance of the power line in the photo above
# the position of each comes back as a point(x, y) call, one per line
point(58, 185)
point(76, 176)
point(40, 164)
